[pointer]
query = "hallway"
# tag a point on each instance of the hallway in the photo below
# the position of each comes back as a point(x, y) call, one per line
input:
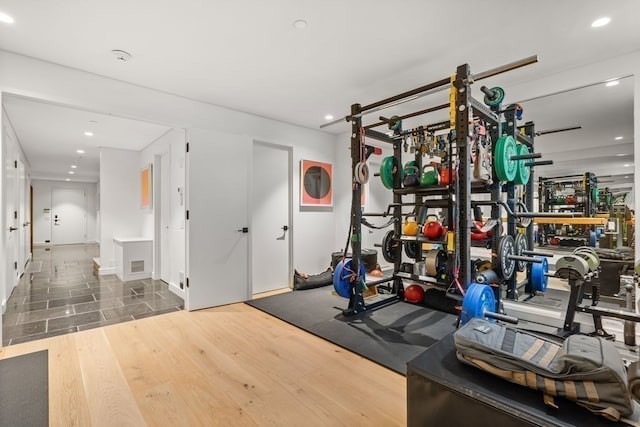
point(65, 295)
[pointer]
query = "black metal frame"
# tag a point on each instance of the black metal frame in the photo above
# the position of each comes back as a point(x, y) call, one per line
point(456, 197)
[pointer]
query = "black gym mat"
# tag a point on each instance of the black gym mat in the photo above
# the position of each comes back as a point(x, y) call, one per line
point(390, 335)
point(24, 390)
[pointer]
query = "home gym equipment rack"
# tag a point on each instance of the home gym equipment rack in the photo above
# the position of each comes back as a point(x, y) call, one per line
point(456, 195)
point(583, 202)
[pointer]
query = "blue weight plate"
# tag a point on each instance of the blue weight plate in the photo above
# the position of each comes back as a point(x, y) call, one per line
point(539, 279)
point(342, 275)
point(478, 300)
point(593, 239)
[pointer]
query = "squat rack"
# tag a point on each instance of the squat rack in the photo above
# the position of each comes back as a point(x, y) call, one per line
point(463, 107)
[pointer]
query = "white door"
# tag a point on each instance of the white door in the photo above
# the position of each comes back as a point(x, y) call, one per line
point(69, 216)
point(377, 199)
point(217, 205)
point(165, 219)
point(270, 205)
point(11, 214)
point(22, 218)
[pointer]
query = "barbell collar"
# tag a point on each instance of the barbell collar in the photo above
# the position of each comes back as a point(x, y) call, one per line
point(502, 317)
point(540, 163)
point(542, 254)
point(525, 259)
point(526, 156)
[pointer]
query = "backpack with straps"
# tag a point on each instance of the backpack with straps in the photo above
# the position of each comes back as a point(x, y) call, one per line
point(584, 369)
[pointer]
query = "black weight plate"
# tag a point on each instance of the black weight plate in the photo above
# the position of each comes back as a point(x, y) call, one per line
point(411, 249)
point(521, 245)
point(506, 267)
point(389, 247)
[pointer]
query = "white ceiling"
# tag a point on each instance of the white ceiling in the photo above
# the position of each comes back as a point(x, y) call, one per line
point(247, 55)
point(50, 135)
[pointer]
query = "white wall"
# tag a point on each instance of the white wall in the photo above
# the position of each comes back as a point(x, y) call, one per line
point(312, 231)
point(173, 143)
point(120, 212)
point(42, 221)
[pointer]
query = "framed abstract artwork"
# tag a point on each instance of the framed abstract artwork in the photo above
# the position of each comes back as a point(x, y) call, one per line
point(146, 194)
point(316, 183)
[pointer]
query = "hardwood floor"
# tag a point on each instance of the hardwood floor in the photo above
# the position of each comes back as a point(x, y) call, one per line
point(227, 366)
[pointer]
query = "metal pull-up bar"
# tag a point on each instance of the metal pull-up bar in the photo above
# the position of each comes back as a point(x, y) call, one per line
point(431, 88)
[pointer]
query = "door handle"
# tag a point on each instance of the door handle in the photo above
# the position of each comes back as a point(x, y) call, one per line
point(243, 230)
point(12, 229)
point(284, 229)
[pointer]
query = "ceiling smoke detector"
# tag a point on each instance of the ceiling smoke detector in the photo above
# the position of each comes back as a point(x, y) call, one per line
point(121, 55)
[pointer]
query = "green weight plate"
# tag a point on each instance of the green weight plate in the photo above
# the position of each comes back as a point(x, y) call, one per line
point(388, 167)
point(523, 172)
point(505, 167)
point(498, 97)
point(506, 266)
point(595, 194)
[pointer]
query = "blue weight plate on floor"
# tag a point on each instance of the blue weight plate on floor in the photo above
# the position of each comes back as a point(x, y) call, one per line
point(342, 275)
point(478, 300)
point(592, 239)
point(539, 279)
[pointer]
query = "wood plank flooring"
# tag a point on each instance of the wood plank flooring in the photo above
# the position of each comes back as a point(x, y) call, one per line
point(226, 366)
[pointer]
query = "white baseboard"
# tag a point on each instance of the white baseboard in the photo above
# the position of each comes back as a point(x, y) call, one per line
point(106, 270)
point(176, 290)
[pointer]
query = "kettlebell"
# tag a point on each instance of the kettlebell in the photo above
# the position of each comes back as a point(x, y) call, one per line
point(447, 176)
point(411, 175)
point(410, 228)
point(430, 176)
point(432, 230)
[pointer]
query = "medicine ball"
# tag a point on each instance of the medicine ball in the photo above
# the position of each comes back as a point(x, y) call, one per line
point(414, 293)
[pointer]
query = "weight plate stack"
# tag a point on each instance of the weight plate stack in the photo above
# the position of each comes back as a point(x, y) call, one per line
point(477, 301)
point(523, 172)
point(505, 167)
point(389, 247)
point(539, 278)
point(506, 266)
point(520, 247)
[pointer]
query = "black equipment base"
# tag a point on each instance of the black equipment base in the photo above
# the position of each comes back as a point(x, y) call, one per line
point(442, 391)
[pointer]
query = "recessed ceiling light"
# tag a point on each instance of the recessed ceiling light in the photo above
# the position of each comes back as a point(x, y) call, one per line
point(87, 133)
point(300, 24)
point(612, 83)
point(328, 117)
point(601, 22)
point(73, 166)
point(71, 172)
point(618, 138)
point(6, 18)
point(80, 151)
point(121, 55)
point(626, 177)
point(626, 165)
point(620, 155)
point(68, 179)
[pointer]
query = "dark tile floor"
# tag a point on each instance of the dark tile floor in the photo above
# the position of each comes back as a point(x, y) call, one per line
point(67, 295)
